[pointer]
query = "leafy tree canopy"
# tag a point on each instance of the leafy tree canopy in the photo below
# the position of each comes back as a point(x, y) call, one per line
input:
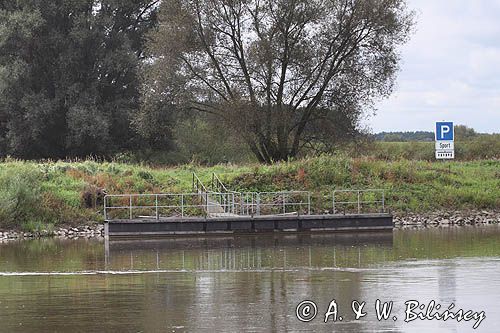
point(69, 75)
point(281, 74)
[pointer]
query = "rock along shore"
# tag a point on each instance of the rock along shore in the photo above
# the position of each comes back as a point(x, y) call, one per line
point(85, 231)
point(445, 218)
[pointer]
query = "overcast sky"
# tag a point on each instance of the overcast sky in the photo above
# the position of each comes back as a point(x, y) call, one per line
point(450, 69)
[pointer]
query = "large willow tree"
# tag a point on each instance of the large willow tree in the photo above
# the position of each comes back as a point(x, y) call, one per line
point(280, 73)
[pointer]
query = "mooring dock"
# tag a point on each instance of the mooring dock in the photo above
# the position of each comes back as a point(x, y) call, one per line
point(216, 210)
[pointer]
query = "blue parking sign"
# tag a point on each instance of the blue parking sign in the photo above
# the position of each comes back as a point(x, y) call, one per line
point(444, 131)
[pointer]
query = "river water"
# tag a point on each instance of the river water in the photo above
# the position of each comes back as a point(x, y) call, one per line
point(251, 283)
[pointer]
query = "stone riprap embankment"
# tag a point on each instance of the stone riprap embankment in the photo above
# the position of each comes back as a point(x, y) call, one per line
point(471, 217)
point(86, 231)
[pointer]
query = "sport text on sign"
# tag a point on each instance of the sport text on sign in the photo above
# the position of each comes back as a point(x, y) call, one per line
point(445, 145)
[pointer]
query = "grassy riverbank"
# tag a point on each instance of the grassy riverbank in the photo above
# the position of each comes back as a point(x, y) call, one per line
point(43, 195)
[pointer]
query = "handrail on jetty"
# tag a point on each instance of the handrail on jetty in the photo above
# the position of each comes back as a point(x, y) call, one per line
point(344, 199)
point(217, 185)
point(275, 203)
point(162, 205)
point(198, 184)
point(218, 201)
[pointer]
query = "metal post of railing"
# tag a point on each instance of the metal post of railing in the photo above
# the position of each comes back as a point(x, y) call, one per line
point(334, 211)
point(232, 204)
point(206, 201)
point(250, 204)
point(156, 206)
point(253, 207)
point(383, 201)
point(222, 202)
point(182, 205)
point(130, 206)
point(308, 203)
point(359, 205)
point(284, 205)
point(258, 204)
point(105, 212)
point(242, 203)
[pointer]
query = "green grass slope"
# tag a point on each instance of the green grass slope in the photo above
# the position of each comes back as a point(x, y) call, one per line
point(42, 195)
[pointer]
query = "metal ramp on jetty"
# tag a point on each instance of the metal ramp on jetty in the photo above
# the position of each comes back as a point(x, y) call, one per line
point(217, 199)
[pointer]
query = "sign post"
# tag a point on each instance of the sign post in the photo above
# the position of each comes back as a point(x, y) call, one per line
point(445, 140)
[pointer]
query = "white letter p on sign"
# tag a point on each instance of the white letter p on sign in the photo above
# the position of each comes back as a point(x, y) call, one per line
point(444, 129)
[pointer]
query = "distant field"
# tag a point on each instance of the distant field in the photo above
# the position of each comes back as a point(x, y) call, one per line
point(42, 195)
point(482, 147)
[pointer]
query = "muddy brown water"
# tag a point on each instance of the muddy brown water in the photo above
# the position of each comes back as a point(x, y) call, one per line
point(250, 283)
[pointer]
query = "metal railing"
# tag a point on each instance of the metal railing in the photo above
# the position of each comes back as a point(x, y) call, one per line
point(217, 185)
point(216, 202)
point(275, 203)
point(219, 201)
point(130, 206)
point(198, 184)
point(350, 201)
point(208, 204)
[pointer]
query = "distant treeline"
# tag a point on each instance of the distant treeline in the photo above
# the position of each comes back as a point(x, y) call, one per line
point(462, 132)
point(404, 136)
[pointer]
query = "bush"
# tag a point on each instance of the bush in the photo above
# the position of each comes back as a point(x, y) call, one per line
point(20, 195)
point(37, 226)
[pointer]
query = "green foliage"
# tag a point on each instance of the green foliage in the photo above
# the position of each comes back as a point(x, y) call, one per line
point(410, 185)
point(69, 82)
point(198, 142)
point(208, 143)
point(35, 226)
point(282, 89)
point(462, 132)
point(145, 175)
point(19, 195)
point(479, 147)
point(35, 195)
point(404, 136)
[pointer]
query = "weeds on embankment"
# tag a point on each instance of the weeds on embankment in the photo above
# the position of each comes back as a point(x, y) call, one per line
point(36, 196)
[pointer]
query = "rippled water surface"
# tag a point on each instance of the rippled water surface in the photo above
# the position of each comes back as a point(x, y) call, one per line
point(249, 283)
